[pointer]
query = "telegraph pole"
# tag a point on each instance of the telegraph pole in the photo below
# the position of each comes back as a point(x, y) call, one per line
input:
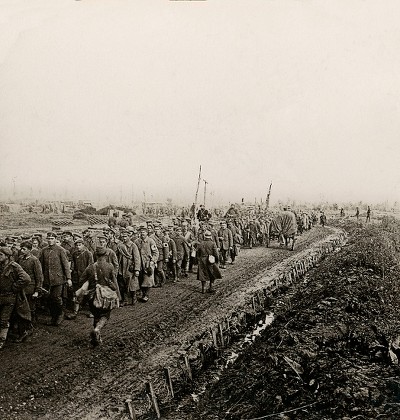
point(197, 191)
point(268, 195)
point(205, 189)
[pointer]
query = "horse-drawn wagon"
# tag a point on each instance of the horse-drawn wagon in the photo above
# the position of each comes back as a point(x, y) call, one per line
point(283, 228)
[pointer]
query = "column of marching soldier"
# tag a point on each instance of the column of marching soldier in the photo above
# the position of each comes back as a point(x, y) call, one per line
point(45, 273)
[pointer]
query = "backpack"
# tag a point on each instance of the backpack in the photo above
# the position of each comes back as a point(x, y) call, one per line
point(104, 297)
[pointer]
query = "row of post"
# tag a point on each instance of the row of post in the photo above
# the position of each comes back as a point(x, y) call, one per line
point(221, 333)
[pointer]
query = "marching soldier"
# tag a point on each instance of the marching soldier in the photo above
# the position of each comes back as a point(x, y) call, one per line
point(182, 252)
point(111, 256)
point(13, 279)
point(148, 259)
point(57, 275)
point(235, 237)
point(214, 234)
point(81, 259)
point(112, 242)
point(31, 265)
point(67, 243)
point(99, 273)
point(172, 255)
point(207, 255)
point(226, 243)
point(163, 255)
point(129, 267)
point(191, 240)
point(36, 250)
point(88, 241)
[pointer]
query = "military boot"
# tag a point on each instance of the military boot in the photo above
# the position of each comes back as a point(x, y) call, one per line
point(133, 297)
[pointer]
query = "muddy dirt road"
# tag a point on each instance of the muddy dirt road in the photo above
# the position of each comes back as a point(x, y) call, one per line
point(57, 375)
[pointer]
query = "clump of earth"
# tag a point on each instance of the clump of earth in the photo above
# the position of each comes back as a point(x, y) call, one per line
point(333, 351)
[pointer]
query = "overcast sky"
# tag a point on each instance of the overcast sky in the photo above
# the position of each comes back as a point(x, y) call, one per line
point(103, 97)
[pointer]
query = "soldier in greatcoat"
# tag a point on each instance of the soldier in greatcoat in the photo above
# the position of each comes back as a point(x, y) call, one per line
point(214, 234)
point(81, 259)
point(89, 241)
point(129, 268)
point(226, 243)
point(13, 279)
point(36, 250)
point(112, 242)
point(233, 252)
point(57, 276)
point(67, 243)
point(182, 252)
point(148, 256)
point(31, 265)
point(190, 237)
point(111, 256)
point(172, 255)
point(99, 273)
point(163, 255)
point(208, 270)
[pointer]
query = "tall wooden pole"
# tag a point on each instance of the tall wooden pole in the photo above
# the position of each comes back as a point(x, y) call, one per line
point(205, 189)
point(268, 195)
point(197, 192)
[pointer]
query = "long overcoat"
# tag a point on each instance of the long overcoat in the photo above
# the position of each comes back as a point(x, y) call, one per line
point(13, 280)
point(225, 239)
point(206, 270)
point(149, 256)
point(55, 265)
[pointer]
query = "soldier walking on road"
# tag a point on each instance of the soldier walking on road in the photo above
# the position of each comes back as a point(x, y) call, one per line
point(81, 259)
point(163, 255)
point(149, 257)
point(129, 267)
point(182, 252)
point(235, 236)
point(57, 276)
point(31, 265)
point(172, 256)
point(207, 255)
point(99, 273)
point(226, 243)
point(13, 279)
point(111, 256)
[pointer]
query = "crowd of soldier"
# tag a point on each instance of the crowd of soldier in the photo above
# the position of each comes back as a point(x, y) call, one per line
point(130, 259)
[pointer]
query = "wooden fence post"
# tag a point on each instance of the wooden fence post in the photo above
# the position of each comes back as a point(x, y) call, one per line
point(187, 365)
point(168, 378)
point(131, 411)
point(153, 398)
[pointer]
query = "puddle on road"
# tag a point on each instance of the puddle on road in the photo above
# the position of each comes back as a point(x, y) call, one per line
point(230, 355)
point(249, 338)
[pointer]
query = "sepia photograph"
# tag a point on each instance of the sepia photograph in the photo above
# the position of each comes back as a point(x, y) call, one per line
point(199, 209)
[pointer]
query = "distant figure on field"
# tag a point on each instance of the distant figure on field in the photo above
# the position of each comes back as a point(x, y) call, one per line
point(342, 212)
point(368, 219)
point(357, 213)
point(322, 219)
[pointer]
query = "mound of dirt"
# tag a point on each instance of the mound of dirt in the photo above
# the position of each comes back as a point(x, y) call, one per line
point(332, 351)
